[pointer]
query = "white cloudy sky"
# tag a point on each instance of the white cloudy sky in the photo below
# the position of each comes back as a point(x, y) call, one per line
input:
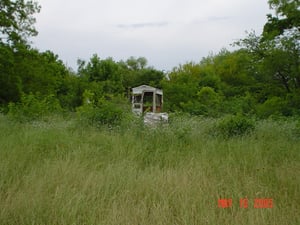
point(166, 32)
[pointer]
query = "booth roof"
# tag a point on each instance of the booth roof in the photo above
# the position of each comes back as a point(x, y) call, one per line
point(146, 88)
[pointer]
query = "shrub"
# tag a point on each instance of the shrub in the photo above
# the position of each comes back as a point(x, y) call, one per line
point(33, 107)
point(231, 126)
point(239, 104)
point(209, 101)
point(274, 106)
point(101, 112)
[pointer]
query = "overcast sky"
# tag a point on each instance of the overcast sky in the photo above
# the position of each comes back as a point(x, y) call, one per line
point(166, 32)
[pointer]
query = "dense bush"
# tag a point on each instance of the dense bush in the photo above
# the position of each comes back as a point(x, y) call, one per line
point(238, 125)
point(97, 112)
point(209, 101)
point(33, 107)
point(273, 106)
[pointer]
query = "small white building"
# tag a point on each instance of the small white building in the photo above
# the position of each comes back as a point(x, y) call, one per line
point(148, 101)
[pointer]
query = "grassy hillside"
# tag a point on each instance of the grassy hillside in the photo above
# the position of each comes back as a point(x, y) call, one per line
point(57, 172)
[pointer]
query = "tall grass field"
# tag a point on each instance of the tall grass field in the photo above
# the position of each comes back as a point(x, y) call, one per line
point(60, 172)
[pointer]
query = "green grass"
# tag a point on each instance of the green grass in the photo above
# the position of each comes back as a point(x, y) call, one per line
point(57, 172)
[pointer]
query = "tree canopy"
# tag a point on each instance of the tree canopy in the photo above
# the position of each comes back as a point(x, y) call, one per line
point(17, 20)
point(261, 77)
point(287, 17)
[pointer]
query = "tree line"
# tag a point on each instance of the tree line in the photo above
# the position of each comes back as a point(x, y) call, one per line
point(261, 77)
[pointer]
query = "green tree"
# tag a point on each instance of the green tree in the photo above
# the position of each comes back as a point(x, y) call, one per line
point(181, 87)
point(29, 71)
point(107, 72)
point(142, 62)
point(39, 72)
point(136, 63)
point(16, 20)
point(208, 75)
point(235, 71)
point(287, 16)
point(209, 101)
point(276, 57)
point(70, 91)
point(136, 72)
point(10, 81)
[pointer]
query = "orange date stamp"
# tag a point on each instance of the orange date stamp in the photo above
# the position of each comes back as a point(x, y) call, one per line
point(258, 203)
point(263, 203)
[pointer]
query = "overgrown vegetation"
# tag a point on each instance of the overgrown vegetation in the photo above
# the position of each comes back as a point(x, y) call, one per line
point(98, 112)
point(58, 173)
point(33, 107)
point(72, 153)
point(231, 126)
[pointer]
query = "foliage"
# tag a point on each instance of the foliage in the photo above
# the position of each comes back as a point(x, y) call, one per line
point(260, 78)
point(70, 91)
point(16, 21)
point(277, 106)
point(277, 50)
point(98, 112)
point(206, 103)
point(10, 82)
point(244, 105)
point(136, 64)
point(287, 17)
point(33, 107)
point(28, 70)
point(55, 173)
point(235, 72)
point(182, 86)
point(118, 77)
point(231, 126)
